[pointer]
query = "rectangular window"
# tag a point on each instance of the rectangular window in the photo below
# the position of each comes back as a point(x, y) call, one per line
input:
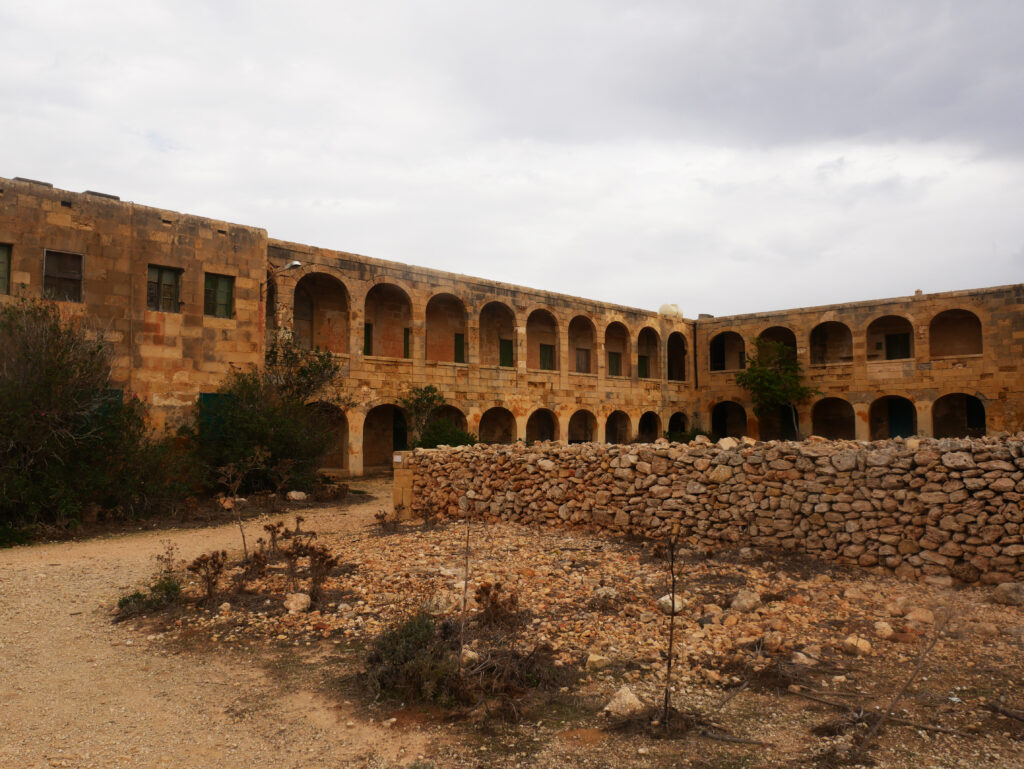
point(162, 289)
point(460, 348)
point(5, 268)
point(219, 296)
point(367, 339)
point(614, 364)
point(547, 357)
point(62, 276)
point(406, 342)
point(582, 361)
point(505, 353)
point(643, 366)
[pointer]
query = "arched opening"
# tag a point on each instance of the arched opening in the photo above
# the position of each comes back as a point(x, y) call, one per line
point(954, 332)
point(834, 418)
point(779, 425)
point(678, 426)
point(387, 330)
point(616, 427)
point(497, 336)
point(890, 337)
point(616, 348)
point(831, 342)
point(582, 427)
point(384, 432)
point(649, 429)
point(958, 415)
point(581, 345)
point(321, 314)
point(453, 415)
point(780, 335)
point(336, 457)
point(497, 425)
point(892, 417)
point(446, 329)
point(676, 357)
point(648, 354)
point(728, 420)
point(542, 341)
point(727, 352)
point(541, 426)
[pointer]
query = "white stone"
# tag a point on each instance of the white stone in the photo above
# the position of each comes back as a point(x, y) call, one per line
point(296, 496)
point(297, 602)
point(624, 703)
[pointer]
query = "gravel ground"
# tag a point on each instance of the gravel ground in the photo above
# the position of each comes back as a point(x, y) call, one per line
point(76, 690)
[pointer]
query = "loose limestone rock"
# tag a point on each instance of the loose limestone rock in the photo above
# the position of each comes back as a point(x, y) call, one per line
point(745, 600)
point(623, 704)
point(856, 646)
point(1009, 594)
point(883, 630)
point(297, 602)
point(665, 603)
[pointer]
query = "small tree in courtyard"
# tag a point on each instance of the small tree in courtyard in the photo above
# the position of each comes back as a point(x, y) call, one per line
point(773, 378)
point(264, 412)
point(426, 429)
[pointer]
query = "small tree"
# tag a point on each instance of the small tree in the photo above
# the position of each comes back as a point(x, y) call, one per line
point(420, 405)
point(67, 438)
point(264, 412)
point(773, 378)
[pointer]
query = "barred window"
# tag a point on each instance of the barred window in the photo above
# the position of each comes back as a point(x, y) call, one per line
point(219, 295)
point(62, 276)
point(163, 286)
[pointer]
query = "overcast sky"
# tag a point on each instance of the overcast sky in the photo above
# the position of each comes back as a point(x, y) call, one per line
point(726, 156)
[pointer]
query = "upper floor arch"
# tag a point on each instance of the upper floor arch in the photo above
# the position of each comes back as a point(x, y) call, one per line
point(954, 332)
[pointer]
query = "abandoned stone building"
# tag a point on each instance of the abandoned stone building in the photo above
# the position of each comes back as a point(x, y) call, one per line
point(182, 299)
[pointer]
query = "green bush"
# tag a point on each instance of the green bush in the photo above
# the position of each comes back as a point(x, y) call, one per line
point(416, 661)
point(69, 439)
point(162, 593)
point(259, 422)
point(442, 432)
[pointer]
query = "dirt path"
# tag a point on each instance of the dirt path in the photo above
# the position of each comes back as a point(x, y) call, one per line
point(78, 691)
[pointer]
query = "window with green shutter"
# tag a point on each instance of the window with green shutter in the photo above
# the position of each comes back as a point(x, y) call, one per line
point(505, 353)
point(460, 348)
point(162, 289)
point(614, 364)
point(547, 357)
point(643, 366)
point(406, 342)
point(367, 339)
point(5, 268)
point(219, 296)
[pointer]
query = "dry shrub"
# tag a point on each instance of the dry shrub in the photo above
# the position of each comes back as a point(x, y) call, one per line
point(499, 605)
point(208, 567)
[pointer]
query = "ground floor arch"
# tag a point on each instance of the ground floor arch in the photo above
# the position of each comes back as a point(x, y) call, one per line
point(678, 425)
point(649, 429)
point(616, 427)
point(834, 418)
point(384, 432)
point(453, 414)
point(582, 427)
point(541, 426)
point(728, 420)
point(958, 415)
point(497, 425)
point(892, 416)
point(336, 457)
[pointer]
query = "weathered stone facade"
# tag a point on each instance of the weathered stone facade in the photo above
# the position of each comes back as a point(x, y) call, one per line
point(513, 362)
point(916, 507)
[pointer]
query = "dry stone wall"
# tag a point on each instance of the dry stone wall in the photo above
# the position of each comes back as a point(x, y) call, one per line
point(940, 509)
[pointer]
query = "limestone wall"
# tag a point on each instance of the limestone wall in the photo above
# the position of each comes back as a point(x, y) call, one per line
point(918, 507)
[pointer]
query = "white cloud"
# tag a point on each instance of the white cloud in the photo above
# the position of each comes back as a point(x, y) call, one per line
point(730, 158)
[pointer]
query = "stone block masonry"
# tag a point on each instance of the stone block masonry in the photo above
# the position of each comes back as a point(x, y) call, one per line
point(949, 508)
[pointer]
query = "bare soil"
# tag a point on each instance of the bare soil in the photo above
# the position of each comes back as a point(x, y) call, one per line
point(254, 686)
